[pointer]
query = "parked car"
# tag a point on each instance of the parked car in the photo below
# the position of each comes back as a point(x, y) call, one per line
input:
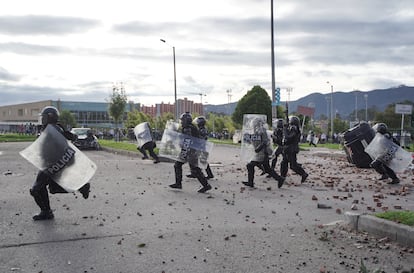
point(86, 139)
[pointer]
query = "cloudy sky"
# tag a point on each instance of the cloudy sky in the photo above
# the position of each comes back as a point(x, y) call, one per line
point(77, 50)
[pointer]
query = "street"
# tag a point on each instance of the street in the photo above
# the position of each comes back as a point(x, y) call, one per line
point(133, 222)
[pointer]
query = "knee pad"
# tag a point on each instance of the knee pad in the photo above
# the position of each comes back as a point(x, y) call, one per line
point(375, 164)
point(35, 192)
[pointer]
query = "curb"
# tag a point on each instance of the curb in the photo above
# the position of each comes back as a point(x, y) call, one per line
point(399, 233)
point(132, 154)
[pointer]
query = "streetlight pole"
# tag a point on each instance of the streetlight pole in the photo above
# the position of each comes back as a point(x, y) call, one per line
point(175, 82)
point(274, 108)
point(327, 115)
point(366, 107)
point(332, 118)
point(356, 106)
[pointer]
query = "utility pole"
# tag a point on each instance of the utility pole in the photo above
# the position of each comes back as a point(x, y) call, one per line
point(274, 108)
point(228, 95)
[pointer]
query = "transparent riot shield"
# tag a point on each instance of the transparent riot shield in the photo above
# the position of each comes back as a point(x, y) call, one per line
point(253, 132)
point(389, 153)
point(172, 125)
point(142, 133)
point(53, 154)
point(184, 148)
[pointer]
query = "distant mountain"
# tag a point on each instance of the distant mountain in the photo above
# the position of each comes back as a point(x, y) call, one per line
point(226, 109)
point(343, 102)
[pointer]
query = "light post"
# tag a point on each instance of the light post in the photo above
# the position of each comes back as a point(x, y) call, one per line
point(366, 107)
point(332, 118)
point(327, 115)
point(274, 108)
point(356, 106)
point(175, 81)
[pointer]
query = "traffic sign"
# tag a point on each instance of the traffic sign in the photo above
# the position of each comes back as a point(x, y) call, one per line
point(406, 109)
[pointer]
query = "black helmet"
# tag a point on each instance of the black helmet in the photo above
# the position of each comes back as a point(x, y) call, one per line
point(279, 123)
point(380, 128)
point(257, 124)
point(294, 120)
point(200, 121)
point(186, 119)
point(49, 115)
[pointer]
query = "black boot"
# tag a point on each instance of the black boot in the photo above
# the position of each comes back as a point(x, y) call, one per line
point(249, 184)
point(304, 176)
point(44, 215)
point(280, 181)
point(250, 176)
point(394, 181)
point(178, 170)
point(176, 186)
point(209, 172)
point(205, 188)
point(203, 181)
point(85, 190)
point(384, 177)
point(41, 198)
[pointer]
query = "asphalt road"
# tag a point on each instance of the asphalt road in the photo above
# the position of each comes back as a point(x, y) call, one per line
point(133, 222)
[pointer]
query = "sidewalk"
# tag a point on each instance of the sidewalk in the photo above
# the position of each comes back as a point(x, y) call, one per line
point(399, 233)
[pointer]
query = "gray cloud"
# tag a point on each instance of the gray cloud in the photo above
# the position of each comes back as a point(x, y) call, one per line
point(13, 94)
point(315, 33)
point(41, 25)
point(319, 38)
point(7, 76)
point(32, 49)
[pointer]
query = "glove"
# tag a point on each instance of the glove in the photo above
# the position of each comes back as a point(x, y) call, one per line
point(259, 148)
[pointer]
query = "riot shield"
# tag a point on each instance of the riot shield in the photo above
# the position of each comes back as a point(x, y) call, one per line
point(53, 154)
point(142, 133)
point(251, 135)
point(172, 125)
point(389, 153)
point(184, 148)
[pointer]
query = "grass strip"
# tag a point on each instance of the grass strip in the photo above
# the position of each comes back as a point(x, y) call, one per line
point(403, 217)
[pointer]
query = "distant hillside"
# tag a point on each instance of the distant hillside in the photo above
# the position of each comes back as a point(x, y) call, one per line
point(343, 102)
point(226, 109)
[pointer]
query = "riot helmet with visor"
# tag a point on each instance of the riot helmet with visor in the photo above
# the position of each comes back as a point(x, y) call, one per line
point(186, 119)
point(49, 115)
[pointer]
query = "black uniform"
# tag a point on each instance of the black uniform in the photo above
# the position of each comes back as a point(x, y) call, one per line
point(260, 143)
point(39, 188)
point(149, 146)
point(277, 138)
point(201, 122)
point(291, 139)
point(311, 138)
point(379, 166)
point(191, 155)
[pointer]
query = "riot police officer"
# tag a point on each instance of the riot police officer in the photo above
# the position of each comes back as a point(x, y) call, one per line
point(291, 139)
point(277, 138)
point(192, 157)
point(262, 151)
point(379, 166)
point(50, 115)
point(201, 124)
point(149, 146)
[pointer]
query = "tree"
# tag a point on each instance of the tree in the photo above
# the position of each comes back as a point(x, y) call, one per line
point(160, 122)
point(67, 119)
point(256, 101)
point(135, 117)
point(340, 125)
point(118, 101)
point(392, 119)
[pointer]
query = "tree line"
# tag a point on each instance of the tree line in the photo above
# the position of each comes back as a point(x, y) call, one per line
point(255, 101)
